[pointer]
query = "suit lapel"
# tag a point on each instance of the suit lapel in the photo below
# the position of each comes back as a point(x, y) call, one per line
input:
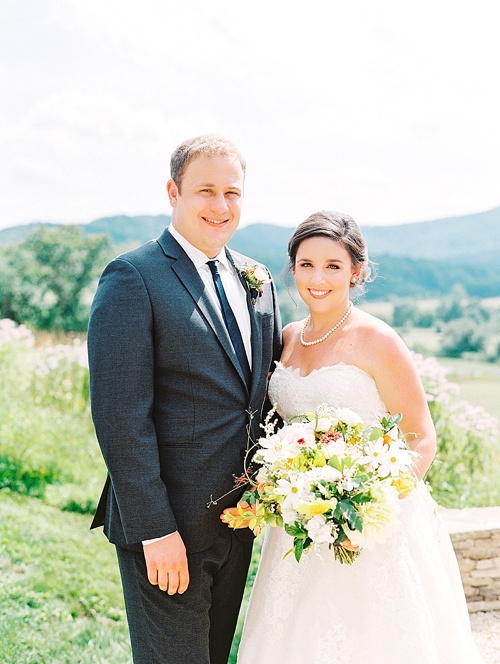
point(256, 331)
point(193, 283)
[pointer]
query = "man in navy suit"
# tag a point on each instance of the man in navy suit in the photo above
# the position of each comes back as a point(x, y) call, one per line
point(179, 353)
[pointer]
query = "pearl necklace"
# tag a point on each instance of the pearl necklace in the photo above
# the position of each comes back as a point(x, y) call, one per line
point(325, 336)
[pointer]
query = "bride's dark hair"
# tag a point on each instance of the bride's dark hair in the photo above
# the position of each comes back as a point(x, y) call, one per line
point(338, 227)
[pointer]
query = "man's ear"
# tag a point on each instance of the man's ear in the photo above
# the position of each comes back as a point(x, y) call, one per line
point(173, 192)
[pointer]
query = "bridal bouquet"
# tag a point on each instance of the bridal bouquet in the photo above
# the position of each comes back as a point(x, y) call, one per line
point(327, 477)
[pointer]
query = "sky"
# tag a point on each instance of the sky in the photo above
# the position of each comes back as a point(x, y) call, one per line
point(388, 111)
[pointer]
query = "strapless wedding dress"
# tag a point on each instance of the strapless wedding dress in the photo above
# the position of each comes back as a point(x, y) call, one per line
point(400, 603)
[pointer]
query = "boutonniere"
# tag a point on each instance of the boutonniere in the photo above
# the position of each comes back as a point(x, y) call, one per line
point(255, 277)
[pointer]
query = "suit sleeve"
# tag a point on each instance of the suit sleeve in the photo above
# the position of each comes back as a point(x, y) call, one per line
point(121, 363)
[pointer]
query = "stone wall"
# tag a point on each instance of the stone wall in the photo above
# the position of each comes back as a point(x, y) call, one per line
point(475, 534)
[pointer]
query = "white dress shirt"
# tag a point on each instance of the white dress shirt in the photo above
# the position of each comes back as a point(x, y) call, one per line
point(235, 292)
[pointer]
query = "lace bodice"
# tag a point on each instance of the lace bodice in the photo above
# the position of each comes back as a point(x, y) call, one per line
point(339, 385)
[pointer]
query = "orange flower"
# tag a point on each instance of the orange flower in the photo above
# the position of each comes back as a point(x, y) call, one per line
point(239, 516)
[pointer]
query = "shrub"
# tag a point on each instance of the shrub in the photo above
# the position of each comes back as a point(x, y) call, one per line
point(466, 435)
point(462, 336)
point(46, 432)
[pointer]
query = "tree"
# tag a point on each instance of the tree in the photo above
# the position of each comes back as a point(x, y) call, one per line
point(45, 278)
point(462, 336)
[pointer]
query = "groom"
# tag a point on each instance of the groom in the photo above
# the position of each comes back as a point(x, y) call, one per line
point(179, 353)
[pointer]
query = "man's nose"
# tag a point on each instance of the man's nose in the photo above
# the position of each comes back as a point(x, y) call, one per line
point(219, 203)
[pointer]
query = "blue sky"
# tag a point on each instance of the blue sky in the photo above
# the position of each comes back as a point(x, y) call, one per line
point(387, 111)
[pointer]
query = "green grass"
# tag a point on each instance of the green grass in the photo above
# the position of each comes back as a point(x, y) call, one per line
point(60, 593)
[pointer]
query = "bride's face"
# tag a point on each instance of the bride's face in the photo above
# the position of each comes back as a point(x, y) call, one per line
point(323, 273)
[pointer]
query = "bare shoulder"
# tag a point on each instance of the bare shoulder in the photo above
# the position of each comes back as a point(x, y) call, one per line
point(291, 331)
point(383, 343)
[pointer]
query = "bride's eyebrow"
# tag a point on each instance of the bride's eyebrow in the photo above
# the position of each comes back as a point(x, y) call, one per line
point(328, 260)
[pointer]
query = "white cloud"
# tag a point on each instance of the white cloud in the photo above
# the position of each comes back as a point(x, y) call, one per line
point(385, 110)
point(75, 156)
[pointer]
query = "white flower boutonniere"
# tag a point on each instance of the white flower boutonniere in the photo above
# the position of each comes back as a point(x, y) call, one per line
point(255, 277)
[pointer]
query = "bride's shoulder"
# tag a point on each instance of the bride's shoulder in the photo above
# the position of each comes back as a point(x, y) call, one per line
point(377, 334)
point(377, 331)
point(291, 331)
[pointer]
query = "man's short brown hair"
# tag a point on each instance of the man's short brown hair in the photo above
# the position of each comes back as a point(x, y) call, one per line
point(208, 145)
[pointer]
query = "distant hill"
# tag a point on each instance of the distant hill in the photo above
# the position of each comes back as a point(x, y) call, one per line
point(421, 259)
point(17, 234)
point(123, 229)
point(469, 238)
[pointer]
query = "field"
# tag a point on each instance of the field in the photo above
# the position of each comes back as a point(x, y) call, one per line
point(479, 382)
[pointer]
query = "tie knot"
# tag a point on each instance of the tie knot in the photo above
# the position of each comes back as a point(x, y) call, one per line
point(214, 268)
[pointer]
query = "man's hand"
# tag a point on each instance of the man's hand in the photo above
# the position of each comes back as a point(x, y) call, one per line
point(167, 564)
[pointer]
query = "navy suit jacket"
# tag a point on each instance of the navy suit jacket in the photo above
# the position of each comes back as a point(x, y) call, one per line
point(169, 402)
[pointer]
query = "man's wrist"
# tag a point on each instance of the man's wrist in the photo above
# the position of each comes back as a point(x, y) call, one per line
point(157, 539)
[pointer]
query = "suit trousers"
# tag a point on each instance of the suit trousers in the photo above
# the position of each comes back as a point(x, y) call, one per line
point(196, 627)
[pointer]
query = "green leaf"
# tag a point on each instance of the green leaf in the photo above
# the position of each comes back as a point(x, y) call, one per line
point(376, 433)
point(296, 530)
point(335, 462)
point(300, 546)
point(349, 511)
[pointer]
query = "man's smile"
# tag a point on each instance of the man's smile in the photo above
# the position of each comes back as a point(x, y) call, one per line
point(217, 222)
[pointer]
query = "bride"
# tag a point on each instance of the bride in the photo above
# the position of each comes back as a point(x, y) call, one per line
point(403, 601)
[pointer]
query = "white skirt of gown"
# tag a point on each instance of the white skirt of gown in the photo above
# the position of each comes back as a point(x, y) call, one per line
point(402, 602)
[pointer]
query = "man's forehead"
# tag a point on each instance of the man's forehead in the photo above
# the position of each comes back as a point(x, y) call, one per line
point(209, 170)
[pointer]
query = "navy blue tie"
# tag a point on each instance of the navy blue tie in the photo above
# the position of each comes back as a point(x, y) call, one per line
point(231, 323)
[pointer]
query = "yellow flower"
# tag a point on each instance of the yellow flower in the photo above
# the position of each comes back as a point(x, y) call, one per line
point(316, 506)
point(404, 485)
point(319, 460)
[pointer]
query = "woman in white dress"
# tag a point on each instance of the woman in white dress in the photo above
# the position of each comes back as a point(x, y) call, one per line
point(403, 601)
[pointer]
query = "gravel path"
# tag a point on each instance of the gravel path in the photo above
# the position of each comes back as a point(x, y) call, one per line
point(486, 630)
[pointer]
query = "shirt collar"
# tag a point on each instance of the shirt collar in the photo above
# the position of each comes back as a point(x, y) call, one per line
point(198, 257)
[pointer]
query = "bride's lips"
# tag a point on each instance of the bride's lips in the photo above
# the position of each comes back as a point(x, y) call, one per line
point(318, 294)
point(214, 222)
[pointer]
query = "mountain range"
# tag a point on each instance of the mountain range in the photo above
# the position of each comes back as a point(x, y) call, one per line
point(418, 259)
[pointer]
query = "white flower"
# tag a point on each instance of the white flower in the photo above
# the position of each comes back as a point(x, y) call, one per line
point(325, 474)
point(319, 530)
point(348, 416)
point(335, 447)
point(292, 489)
point(376, 453)
point(395, 462)
point(293, 436)
point(294, 493)
point(324, 424)
point(261, 274)
point(277, 447)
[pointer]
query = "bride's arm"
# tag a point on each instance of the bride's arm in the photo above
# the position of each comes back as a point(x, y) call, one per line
point(401, 389)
